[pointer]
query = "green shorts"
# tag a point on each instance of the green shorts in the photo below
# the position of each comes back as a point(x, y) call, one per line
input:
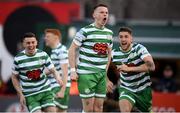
point(92, 85)
point(62, 103)
point(39, 101)
point(140, 100)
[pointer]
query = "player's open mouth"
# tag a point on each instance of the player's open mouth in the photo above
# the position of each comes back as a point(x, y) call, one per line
point(124, 43)
point(104, 19)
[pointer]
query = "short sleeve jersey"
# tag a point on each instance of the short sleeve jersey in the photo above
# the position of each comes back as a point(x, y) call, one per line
point(93, 51)
point(133, 81)
point(59, 55)
point(30, 71)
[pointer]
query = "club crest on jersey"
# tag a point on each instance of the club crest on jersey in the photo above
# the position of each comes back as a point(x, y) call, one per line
point(87, 90)
point(40, 61)
point(132, 55)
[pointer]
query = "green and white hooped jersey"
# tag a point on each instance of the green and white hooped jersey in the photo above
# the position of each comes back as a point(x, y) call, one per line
point(59, 55)
point(30, 71)
point(132, 81)
point(93, 43)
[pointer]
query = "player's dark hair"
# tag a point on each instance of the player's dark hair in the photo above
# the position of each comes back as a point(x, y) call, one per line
point(100, 5)
point(28, 35)
point(125, 29)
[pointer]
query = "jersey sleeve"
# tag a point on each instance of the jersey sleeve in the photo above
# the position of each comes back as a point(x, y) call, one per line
point(63, 56)
point(112, 55)
point(15, 68)
point(115, 57)
point(79, 37)
point(143, 52)
point(48, 62)
point(111, 44)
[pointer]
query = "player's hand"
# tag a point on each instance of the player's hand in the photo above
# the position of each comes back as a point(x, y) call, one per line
point(60, 82)
point(123, 68)
point(109, 86)
point(22, 102)
point(60, 94)
point(74, 76)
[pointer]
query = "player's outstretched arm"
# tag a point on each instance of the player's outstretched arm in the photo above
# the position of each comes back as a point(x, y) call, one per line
point(16, 85)
point(146, 67)
point(64, 68)
point(72, 60)
point(56, 76)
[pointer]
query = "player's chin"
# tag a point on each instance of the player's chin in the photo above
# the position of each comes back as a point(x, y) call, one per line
point(104, 22)
point(46, 44)
point(124, 47)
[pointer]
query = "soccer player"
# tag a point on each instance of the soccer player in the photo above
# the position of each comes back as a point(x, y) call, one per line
point(30, 82)
point(59, 57)
point(134, 63)
point(95, 43)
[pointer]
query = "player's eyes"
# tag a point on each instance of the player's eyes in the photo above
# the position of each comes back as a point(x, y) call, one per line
point(126, 36)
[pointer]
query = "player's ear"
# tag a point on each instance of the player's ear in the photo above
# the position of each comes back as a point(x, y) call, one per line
point(132, 39)
point(23, 44)
point(93, 14)
point(36, 42)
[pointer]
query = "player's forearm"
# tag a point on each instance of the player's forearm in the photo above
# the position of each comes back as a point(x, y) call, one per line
point(47, 72)
point(64, 68)
point(141, 68)
point(72, 56)
point(55, 73)
point(109, 60)
point(150, 65)
point(16, 84)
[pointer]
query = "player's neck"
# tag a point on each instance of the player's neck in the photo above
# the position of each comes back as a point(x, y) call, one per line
point(128, 49)
point(55, 44)
point(30, 53)
point(99, 26)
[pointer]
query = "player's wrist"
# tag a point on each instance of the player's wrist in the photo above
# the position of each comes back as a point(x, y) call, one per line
point(73, 69)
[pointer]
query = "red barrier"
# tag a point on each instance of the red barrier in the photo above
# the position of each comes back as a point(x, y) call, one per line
point(166, 102)
point(62, 12)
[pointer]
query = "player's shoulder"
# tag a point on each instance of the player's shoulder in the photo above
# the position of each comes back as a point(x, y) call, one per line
point(41, 52)
point(116, 49)
point(138, 45)
point(108, 30)
point(88, 26)
point(61, 47)
point(21, 53)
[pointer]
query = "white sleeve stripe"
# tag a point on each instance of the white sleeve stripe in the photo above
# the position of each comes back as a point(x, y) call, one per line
point(77, 43)
point(145, 55)
point(15, 72)
point(64, 61)
point(50, 66)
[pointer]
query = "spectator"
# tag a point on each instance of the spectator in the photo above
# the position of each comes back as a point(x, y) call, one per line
point(167, 82)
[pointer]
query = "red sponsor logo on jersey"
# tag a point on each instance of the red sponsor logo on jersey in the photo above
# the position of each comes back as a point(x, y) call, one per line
point(34, 74)
point(100, 48)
